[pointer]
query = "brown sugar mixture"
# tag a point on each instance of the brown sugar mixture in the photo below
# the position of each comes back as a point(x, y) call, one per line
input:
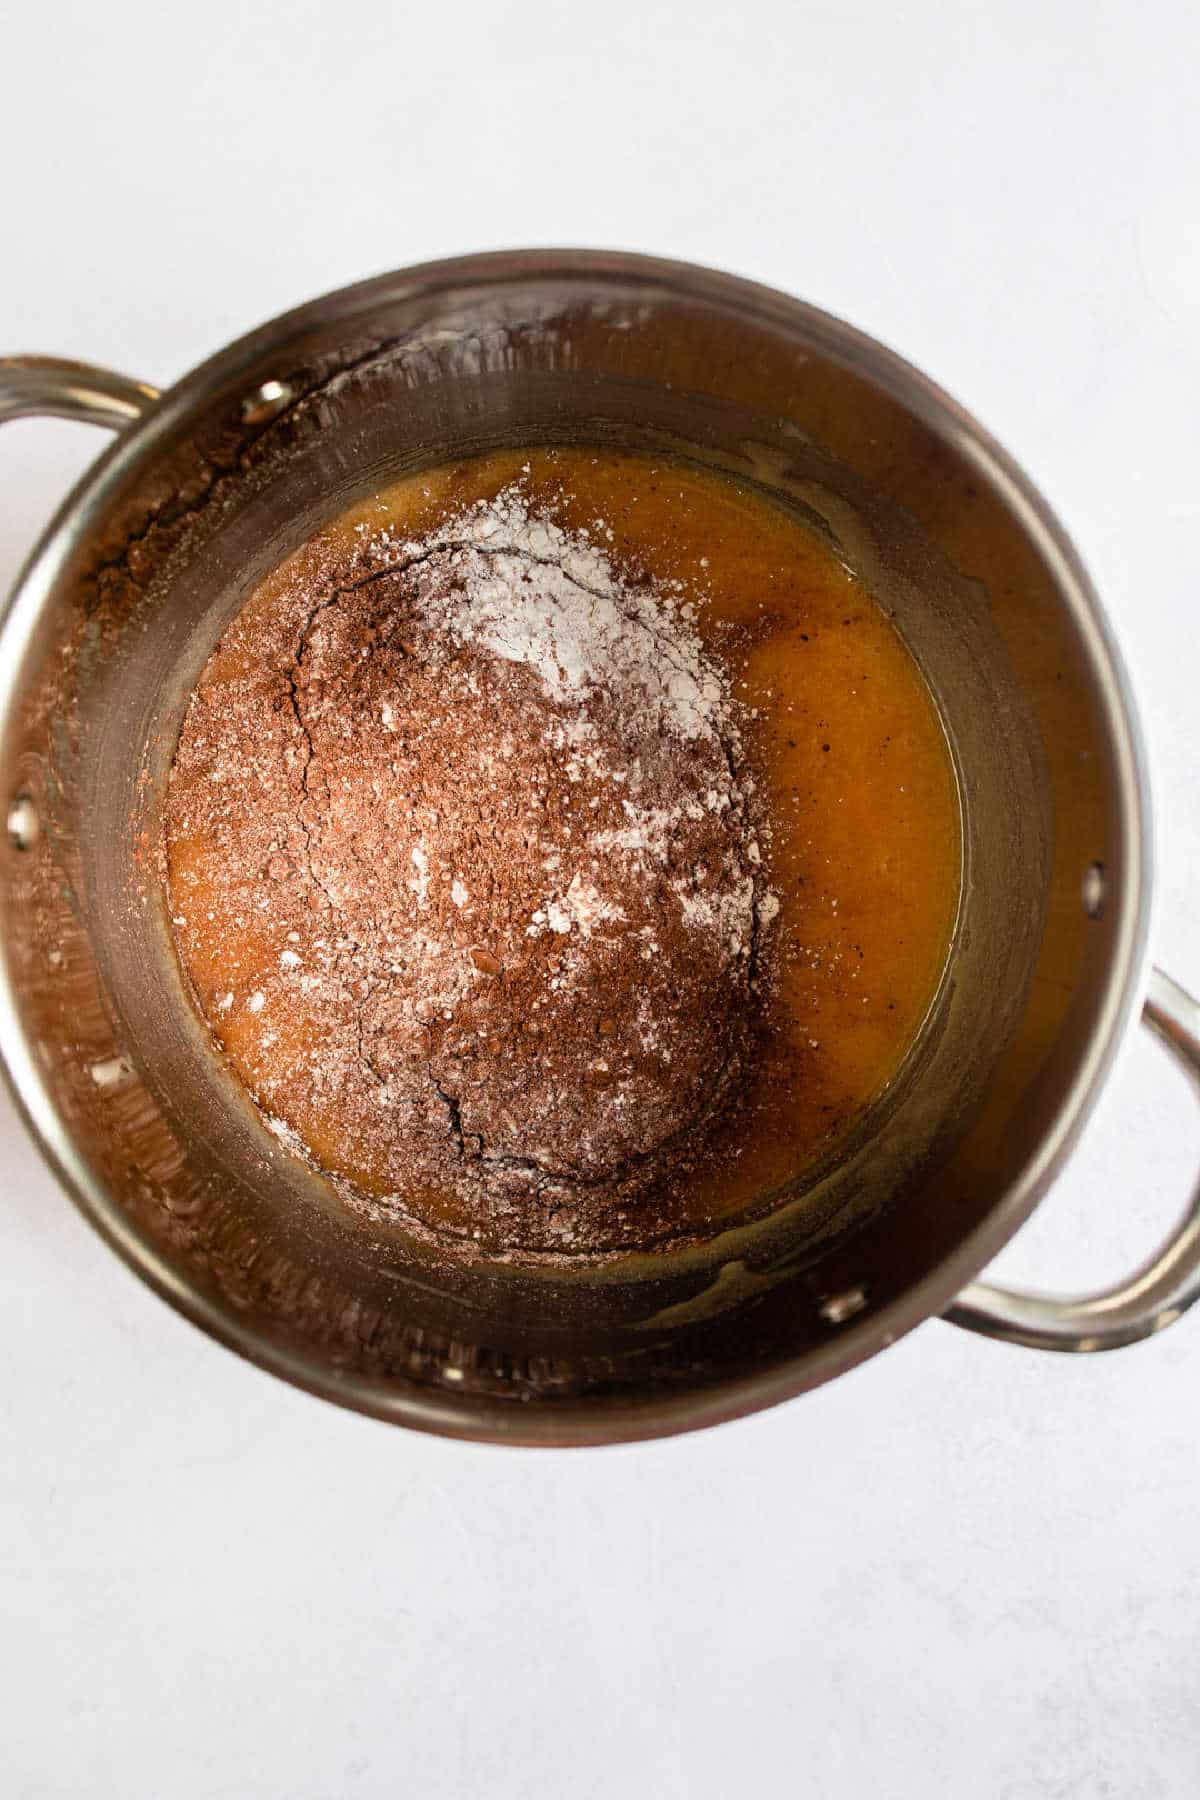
point(563, 849)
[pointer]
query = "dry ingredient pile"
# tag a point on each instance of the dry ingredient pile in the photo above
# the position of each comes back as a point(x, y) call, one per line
point(469, 871)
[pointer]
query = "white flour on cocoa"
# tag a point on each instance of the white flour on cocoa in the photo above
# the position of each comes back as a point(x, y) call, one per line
point(462, 833)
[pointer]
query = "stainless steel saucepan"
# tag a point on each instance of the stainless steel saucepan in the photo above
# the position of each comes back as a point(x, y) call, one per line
point(208, 485)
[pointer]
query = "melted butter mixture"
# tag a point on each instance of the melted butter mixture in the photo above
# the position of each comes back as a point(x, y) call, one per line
point(850, 760)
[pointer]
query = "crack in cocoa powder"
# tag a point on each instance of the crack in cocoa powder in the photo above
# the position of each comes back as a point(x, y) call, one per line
point(453, 1112)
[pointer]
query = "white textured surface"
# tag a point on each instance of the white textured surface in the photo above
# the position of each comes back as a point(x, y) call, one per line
point(963, 1570)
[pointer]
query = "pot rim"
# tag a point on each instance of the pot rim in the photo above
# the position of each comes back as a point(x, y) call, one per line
point(593, 1422)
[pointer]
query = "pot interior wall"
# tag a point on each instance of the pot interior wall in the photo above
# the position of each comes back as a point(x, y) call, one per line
point(201, 1192)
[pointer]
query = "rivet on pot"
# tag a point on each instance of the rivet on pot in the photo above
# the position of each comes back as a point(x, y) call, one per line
point(24, 826)
point(841, 1307)
point(266, 402)
point(1095, 889)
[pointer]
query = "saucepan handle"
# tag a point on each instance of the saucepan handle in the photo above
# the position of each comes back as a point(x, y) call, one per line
point(51, 387)
point(1158, 1294)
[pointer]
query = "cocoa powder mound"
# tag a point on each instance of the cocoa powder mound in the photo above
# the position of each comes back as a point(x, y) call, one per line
point(466, 872)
